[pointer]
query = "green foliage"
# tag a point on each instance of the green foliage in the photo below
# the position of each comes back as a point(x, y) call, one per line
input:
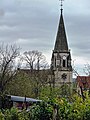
point(54, 92)
point(14, 114)
point(77, 109)
point(41, 111)
point(1, 115)
point(27, 84)
point(21, 86)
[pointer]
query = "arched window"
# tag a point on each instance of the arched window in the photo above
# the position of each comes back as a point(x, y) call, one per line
point(55, 62)
point(64, 63)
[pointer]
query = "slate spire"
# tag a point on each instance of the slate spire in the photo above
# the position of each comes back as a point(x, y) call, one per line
point(61, 39)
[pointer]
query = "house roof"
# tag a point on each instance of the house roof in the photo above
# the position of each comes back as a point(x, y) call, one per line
point(83, 81)
point(22, 99)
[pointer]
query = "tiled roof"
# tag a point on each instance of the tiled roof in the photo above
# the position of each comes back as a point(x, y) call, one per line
point(34, 71)
point(83, 81)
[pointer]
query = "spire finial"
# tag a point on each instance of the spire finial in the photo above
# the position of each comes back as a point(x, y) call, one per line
point(61, 5)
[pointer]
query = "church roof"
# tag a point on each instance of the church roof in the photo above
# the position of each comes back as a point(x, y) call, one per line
point(61, 39)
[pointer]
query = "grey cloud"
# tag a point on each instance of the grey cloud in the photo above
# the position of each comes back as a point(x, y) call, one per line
point(33, 24)
point(78, 32)
point(2, 12)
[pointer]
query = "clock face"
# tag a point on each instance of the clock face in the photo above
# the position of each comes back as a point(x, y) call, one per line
point(64, 76)
point(64, 57)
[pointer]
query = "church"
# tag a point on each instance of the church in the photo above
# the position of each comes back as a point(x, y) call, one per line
point(61, 56)
point(61, 70)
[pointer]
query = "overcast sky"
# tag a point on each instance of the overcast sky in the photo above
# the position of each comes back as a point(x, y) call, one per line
point(32, 24)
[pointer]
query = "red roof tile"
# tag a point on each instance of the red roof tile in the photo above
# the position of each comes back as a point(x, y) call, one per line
point(83, 81)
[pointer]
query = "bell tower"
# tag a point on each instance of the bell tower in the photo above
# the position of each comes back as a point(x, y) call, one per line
point(61, 56)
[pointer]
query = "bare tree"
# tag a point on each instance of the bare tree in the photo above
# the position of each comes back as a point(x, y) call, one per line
point(37, 64)
point(35, 60)
point(8, 55)
point(30, 58)
point(87, 69)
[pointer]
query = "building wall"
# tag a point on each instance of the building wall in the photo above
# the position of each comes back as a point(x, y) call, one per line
point(59, 80)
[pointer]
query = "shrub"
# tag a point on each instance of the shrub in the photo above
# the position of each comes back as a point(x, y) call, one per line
point(41, 111)
point(77, 109)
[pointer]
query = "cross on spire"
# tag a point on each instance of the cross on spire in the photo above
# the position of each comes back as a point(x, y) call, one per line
point(61, 5)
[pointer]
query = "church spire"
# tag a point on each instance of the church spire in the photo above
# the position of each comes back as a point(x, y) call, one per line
point(61, 56)
point(61, 39)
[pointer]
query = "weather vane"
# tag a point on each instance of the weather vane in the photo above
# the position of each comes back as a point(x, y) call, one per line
point(61, 4)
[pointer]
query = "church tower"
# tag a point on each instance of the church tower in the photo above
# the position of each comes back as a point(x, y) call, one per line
point(61, 56)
